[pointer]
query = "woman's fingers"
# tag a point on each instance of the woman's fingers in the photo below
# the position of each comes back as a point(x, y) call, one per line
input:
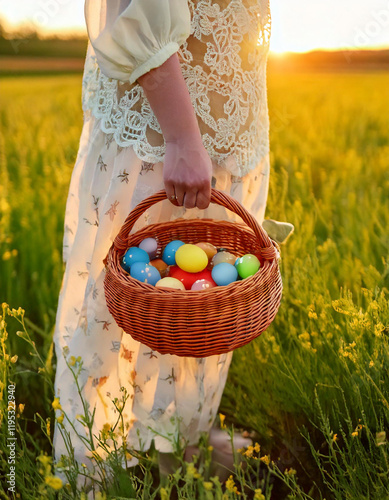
point(180, 193)
point(203, 199)
point(190, 199)
point(170, 193)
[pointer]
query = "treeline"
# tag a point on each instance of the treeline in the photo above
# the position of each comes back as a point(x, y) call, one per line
point(27, 42)
point(322, 60)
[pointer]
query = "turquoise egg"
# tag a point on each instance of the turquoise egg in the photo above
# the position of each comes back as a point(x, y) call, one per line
point(145, 273)
point(247, 265)
point(132, 255)
point(169, 252)
point(224, 274)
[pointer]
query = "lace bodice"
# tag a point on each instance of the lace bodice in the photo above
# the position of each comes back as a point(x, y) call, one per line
point(224, 65)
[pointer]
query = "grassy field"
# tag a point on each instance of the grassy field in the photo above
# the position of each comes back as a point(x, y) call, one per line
point(313, 389)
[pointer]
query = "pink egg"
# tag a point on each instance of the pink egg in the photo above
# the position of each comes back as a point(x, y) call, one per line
point(203, 285)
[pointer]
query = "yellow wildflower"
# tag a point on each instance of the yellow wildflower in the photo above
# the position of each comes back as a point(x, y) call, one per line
point(191, 471)
point(290, 472)
point(100, 496)
point(72, 361)
point(14, 358)
point(371, 363)
point(334, 437)
point(305, 336)
point(354, 434)
point(249, 452)
point(378, 329)
point(265, 459)
point(210, 448)
point(257, 448)
point(222, 418)
point(208, 485)
point(56, 404)
point(48, 425)
point(54, 482)
point(44, 460)
point(259, 495)
point(21, 407)
point(60, 418)
point(230, 485)
point(7, 255)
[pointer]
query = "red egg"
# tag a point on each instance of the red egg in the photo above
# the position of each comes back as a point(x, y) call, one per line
point(189, 278)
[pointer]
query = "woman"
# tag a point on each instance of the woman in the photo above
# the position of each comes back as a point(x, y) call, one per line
point(174, 97)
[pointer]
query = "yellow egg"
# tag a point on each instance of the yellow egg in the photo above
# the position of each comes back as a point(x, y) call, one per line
point(208, 248)
point(170, 283)
point(191, 258)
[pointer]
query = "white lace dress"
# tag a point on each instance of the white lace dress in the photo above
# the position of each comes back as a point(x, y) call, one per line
point(119, 163)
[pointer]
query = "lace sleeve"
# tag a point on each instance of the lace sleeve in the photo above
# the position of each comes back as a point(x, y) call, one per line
point(131, 37)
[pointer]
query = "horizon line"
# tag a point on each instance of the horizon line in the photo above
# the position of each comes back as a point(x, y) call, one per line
point(68, 33)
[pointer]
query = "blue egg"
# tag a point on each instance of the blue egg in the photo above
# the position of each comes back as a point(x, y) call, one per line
point(146, 273)
point(169, 252)
point(132, 255)
point(224, 274)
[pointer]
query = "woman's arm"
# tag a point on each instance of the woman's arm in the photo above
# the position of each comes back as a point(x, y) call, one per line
point(187, 170)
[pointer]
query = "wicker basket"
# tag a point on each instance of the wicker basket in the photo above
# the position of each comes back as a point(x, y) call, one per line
point(195, 323)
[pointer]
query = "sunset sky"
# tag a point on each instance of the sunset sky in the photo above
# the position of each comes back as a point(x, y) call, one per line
point(298, 25)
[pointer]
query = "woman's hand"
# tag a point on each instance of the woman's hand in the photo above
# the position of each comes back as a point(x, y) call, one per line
point(187, 172)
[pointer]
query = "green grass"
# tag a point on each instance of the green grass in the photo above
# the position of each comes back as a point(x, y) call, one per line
point(322, 367)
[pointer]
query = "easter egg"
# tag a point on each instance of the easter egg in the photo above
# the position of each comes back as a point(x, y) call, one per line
point(170, 283)
point(223, 257)
point(145, 273)
point(191, 258)
point(224, 274)
point(169, 252)
point(208, 248)
point(247, 265)
point(161, 266)
point(203, 285)
point(149, 245)
point(132, 255)
point(189, 278)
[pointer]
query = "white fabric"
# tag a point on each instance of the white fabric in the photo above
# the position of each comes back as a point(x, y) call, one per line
point(223, 61)
point(167, 394)
point(131, 37)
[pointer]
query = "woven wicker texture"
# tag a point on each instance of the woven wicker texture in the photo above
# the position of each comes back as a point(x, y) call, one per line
point(195, 323)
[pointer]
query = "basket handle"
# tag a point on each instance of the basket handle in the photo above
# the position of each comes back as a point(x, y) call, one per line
point(270, 249)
